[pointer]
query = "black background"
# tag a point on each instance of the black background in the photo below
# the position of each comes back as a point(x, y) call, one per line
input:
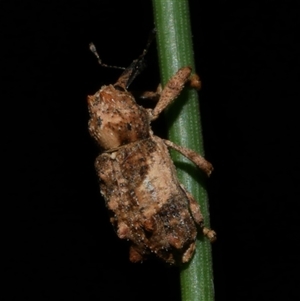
point(59, 243)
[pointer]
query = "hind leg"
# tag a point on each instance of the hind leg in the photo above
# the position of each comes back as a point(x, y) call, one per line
point(197, 216)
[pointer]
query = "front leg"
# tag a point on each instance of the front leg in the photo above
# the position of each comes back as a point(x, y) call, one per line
point(171, 91)
point(149, 95)
point(191, 155)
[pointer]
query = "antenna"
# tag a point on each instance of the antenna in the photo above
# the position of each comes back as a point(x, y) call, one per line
point(94, 50)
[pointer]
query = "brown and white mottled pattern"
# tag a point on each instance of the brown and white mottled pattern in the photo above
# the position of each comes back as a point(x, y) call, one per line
point(138, 180)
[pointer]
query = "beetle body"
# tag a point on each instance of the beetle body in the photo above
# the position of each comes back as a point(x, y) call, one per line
point(148, 205)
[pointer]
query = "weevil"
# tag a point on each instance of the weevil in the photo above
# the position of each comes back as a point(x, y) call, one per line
point(148, 205)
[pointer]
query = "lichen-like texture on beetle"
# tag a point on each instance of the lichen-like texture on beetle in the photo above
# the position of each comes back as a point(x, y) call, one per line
point(148, 205)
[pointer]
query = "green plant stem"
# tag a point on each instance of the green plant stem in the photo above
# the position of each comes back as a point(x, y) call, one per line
point(175, 50)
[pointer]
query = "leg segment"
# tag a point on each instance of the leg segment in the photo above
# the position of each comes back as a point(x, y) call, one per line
point(198, 218)
point(151, 95)
point(193, 156)
point(171, 90)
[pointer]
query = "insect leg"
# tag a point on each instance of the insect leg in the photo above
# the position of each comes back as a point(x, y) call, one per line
point(150, 95)
point(191, 155)
point(171, 90)
point(198, 218)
